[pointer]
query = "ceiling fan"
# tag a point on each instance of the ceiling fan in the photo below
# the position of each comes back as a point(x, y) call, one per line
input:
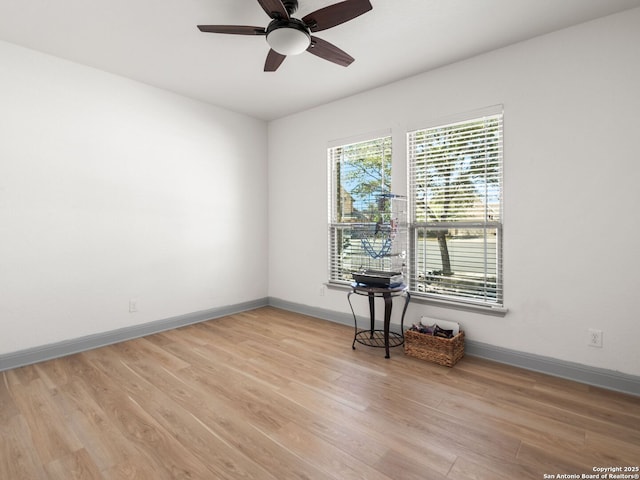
point(291, 36)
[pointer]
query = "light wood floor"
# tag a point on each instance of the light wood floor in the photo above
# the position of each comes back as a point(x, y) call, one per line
point(269, 395)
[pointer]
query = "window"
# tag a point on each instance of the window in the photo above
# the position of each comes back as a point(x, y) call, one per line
point(360, 208)
point(455, 211)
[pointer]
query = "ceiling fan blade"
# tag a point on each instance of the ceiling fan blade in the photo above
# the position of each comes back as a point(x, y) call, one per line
point(274, 8)
point(328, 51)
point(233, 29)
point(274, 60)
point(336, 14)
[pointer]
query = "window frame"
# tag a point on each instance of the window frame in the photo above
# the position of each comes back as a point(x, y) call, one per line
point(403, 184)
point(335, 225)
point(416, 226)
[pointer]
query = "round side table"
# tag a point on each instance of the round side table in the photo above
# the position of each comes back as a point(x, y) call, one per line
point(373, 337)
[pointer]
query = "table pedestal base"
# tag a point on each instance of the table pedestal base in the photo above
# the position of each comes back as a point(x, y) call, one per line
point(373, 337)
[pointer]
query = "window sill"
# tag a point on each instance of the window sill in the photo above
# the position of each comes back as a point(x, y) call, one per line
point(436, 302)
point(467, 307)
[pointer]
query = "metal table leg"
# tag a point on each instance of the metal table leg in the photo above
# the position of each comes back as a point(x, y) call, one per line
point(388, 305)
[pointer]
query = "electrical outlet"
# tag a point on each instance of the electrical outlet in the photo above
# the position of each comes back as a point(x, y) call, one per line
point(133, 305)
point(595, 338)
point(321, 291)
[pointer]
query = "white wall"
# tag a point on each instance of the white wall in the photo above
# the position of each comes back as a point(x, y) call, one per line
point(111, 190)
point(571, 261)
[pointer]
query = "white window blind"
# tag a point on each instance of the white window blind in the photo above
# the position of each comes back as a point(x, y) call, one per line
point(455, 197)
point(359, 201)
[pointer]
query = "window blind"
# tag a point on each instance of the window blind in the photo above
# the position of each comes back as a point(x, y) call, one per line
point(455, 195)
point(359, 189)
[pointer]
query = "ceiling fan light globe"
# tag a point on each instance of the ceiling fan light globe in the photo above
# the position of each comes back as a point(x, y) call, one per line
point(288, 41)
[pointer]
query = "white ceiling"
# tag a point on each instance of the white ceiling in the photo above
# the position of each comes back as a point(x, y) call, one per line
point(157, 42)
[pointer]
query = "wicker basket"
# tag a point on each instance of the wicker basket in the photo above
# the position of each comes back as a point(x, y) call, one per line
point(443, 351)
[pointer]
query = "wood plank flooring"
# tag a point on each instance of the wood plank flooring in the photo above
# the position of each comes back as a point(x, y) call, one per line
point(269, 394)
